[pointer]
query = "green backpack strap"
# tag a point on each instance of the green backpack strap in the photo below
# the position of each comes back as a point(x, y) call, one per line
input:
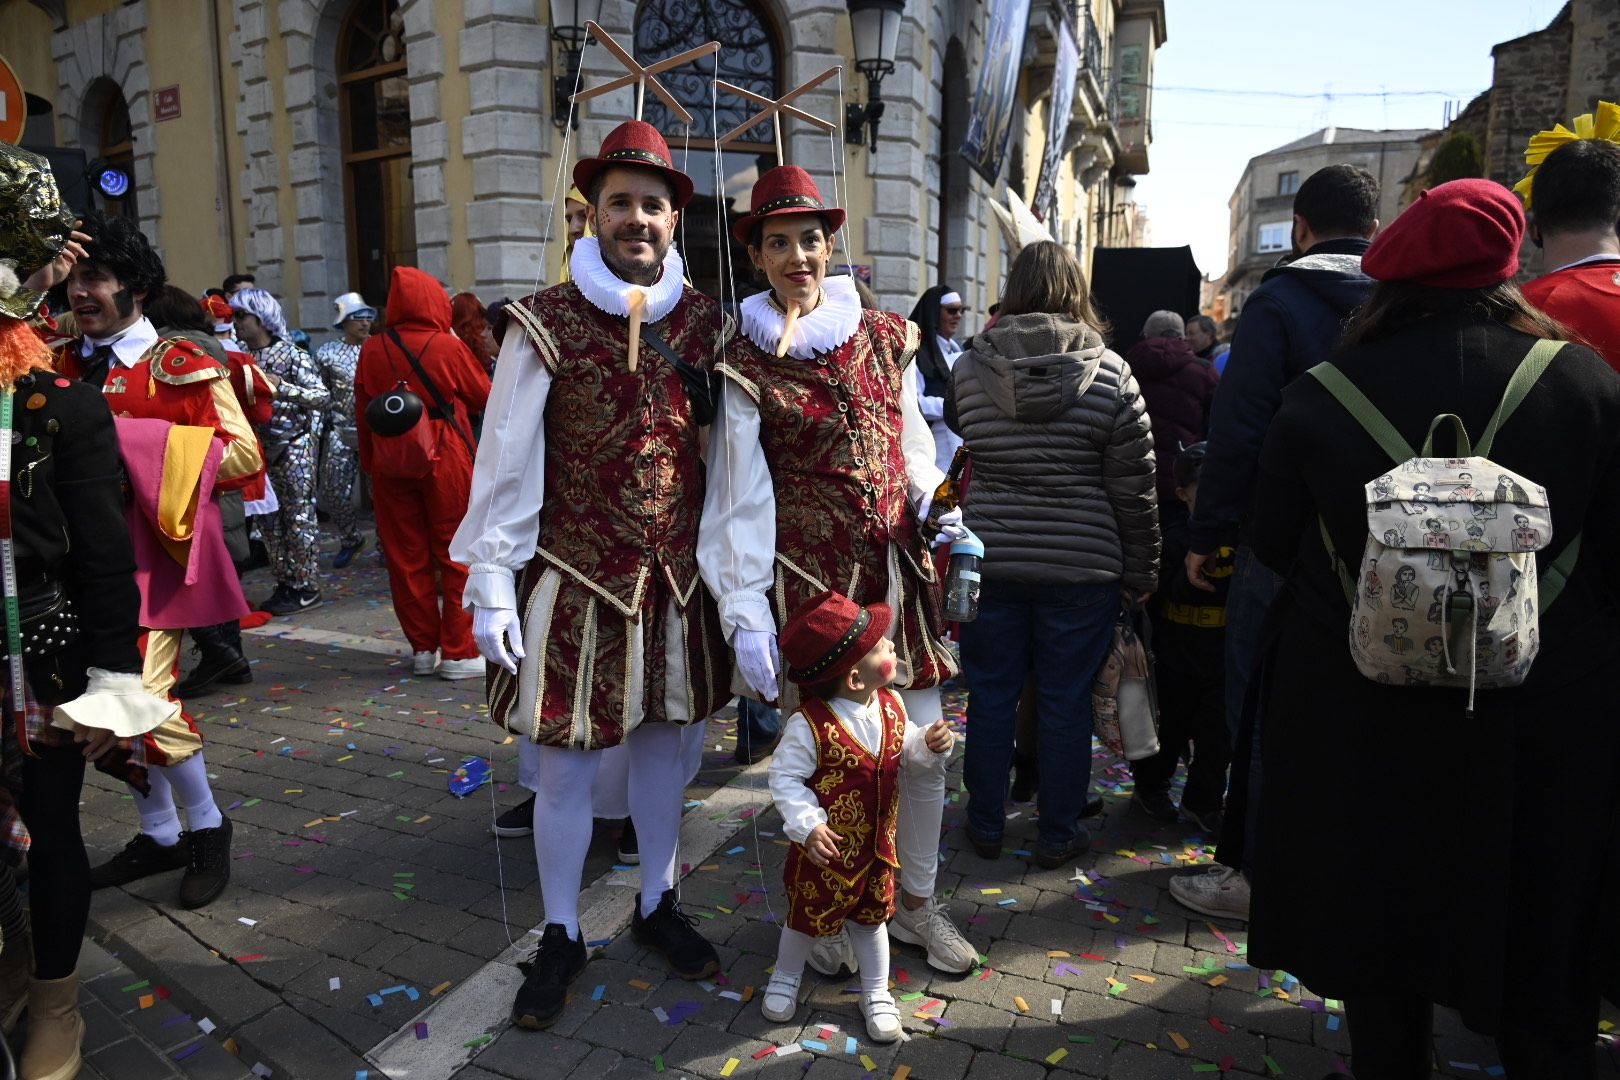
point(1525, 376)
point(1343, 572)
point(1364, 411)
point(1551, 580)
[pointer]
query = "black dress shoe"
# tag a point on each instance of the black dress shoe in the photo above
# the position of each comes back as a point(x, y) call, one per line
point(673, 934)
point(208, 867)
point(546, 975)
point(222, 665)
point(141, 857)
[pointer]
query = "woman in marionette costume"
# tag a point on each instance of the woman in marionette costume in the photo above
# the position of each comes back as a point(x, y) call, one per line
point(821, 474)
point(72, 683)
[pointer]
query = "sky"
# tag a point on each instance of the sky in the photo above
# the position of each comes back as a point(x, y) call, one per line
point(1226, 80)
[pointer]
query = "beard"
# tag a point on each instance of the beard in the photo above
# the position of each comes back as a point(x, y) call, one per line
point(629, 271)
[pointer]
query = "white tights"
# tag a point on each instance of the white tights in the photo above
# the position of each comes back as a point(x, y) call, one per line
point(189, 781)
point(562, 818)
point(922, 803)
point(870, 942)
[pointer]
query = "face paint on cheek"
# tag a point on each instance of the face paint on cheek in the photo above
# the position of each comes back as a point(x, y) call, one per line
point(886, 669)
point(125, 302)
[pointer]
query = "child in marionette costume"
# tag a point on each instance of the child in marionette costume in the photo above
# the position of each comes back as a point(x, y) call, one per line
point(835, 778)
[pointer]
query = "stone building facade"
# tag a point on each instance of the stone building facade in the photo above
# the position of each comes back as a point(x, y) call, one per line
point(318, 143)
point(1262, 204)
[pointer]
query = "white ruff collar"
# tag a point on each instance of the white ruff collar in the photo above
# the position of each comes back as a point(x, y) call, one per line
point(608, 291)
point(824, 329)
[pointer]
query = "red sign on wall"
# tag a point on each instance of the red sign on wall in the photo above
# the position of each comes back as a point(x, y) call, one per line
point(13, 106)
point(166, 103)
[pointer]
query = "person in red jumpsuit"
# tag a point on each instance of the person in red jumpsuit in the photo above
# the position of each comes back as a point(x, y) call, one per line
point(417, 517)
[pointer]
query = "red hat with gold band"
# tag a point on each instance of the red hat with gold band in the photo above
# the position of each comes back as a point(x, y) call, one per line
point(786, 189)
point(634, 143)
point(829, 634)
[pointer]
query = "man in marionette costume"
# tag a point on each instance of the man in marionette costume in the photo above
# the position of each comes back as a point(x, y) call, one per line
point(821, 473)
point(581, 539)
point(183, 437)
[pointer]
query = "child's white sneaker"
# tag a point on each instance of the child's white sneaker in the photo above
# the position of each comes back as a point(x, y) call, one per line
point(882, 1016)
point(781, 998)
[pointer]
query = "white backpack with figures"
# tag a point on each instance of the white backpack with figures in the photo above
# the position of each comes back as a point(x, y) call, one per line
point(1447, 592)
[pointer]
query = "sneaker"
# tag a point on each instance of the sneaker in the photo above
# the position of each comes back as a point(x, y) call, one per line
point(546, 975)
point(1050, 858)
point(1156, 805)
point(629, 850)
point(225, 665)
point(348, 551)
point(307, 598)
point(208, 869)
point(930, 927)
point(1209, 822)
point(672, 933)
point(518, 821)
point(1217, 891)
point(834, 956)
point(882, 1016)
point(455, 670)
point(424, 663)
point(781, 998)
point(141, 857)
point(280, 602)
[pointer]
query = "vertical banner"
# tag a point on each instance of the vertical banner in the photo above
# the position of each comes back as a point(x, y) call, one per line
point(995, 100)
point(1063, 80)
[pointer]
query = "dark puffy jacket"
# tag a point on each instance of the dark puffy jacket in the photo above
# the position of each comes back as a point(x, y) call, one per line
point(1179, 389)
point(1291, 323)
point(1062, 488)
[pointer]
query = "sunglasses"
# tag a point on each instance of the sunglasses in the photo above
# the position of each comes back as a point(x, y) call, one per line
point(954, 309)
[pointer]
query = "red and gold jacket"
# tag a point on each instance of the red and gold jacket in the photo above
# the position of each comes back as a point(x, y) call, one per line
point(177, 381)
point(859, 789)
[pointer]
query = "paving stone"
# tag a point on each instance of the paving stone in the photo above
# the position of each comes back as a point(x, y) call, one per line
point(130, 1060)
point(522, 1054)
point(977, 1025)
point(987, 1066)
point(628, 1030)
point(302, 1048)
point(210, 1061)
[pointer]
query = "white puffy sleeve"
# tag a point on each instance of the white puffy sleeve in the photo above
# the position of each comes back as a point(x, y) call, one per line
point(791, 767)
point(737, 533)
point(501, 528)
point(916, 438)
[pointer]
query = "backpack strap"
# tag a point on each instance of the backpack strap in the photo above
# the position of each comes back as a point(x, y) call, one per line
point(1551, 580)
point(1342, 571)
point(1364, 411)
point(1525, 376)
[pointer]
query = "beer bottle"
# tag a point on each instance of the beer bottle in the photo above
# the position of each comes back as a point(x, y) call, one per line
point(948, 496)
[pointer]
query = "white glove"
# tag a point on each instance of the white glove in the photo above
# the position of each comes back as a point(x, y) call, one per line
point(494, 628)
point(951, 527)
point(757, 659)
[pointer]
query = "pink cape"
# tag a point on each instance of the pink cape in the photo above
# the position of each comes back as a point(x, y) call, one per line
point(206, 590)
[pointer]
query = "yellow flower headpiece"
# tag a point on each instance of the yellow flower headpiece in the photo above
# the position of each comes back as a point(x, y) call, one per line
point(1603, 124)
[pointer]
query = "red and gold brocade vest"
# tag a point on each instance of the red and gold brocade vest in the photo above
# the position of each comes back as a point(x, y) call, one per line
point(624, 472)
point(830, 428)
point(859, 789)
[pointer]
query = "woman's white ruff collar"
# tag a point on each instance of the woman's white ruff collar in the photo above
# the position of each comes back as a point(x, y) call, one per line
point(608, 291)
point(824, 329)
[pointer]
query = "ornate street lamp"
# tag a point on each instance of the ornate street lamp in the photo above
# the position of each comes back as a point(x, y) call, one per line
point(876, 28)
point(568, 19)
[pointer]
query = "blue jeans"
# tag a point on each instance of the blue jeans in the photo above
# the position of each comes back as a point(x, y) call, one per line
point(1061, 633)
point(1253, 590)
point(757, 723)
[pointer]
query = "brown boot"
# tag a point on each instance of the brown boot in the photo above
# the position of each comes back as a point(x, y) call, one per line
point(16, 972)
point(55, 1030)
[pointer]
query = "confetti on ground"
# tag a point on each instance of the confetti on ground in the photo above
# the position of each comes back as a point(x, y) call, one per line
point(1180, 1040)
point(1023, 1006)
point(1057, 1055)
point(731, 1066)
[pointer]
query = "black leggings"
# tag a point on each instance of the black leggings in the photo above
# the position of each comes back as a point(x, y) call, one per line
point(58, 868)
point(1392, 1038)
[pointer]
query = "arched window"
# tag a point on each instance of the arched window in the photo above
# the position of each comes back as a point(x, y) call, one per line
point(376, 114)
point(749, 60)
point(108, 138)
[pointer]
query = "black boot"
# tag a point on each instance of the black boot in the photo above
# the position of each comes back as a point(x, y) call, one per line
point(222, 660)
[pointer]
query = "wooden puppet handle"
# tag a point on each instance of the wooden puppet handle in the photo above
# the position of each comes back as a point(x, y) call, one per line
point(638, 306)
point(788, 324)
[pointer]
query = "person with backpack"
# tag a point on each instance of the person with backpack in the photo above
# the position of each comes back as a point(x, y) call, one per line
point(1443, 790)
point(421, 477)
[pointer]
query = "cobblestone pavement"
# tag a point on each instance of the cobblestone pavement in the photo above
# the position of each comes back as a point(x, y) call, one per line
point(372, 923)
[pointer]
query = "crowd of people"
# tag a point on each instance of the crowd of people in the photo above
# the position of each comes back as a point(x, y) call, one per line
point(629, 506)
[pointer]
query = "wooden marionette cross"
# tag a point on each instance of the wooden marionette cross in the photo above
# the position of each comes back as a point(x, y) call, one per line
point(775, 109)
point(643, 76)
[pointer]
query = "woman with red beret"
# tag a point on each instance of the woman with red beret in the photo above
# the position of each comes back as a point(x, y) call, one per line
point(1436, 829)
